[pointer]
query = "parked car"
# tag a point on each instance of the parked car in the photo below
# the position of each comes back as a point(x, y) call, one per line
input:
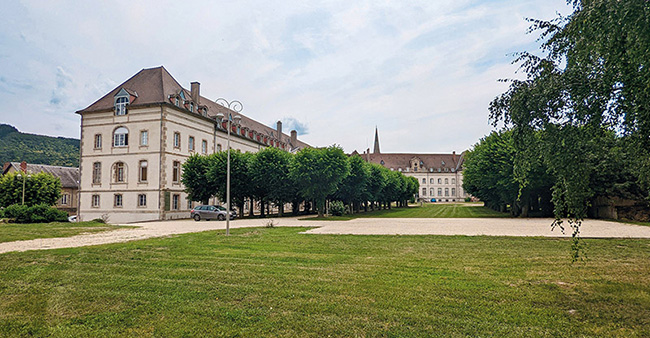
point(72, 218)
point(208, 212)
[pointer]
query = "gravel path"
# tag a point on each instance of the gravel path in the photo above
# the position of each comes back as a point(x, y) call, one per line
point(361, 226)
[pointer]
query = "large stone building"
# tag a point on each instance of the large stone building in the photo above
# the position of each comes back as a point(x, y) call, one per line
point(135, 139)
point(440, 175)
point(69, 177)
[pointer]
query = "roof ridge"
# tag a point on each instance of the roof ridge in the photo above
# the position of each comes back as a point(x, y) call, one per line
point(45, 165)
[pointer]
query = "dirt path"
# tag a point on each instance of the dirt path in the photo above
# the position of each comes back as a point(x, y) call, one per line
point(361, 226)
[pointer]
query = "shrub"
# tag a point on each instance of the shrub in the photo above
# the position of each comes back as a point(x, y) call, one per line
point(468, 199)
point(16, 212)
point(337, 208)
point(40, 213)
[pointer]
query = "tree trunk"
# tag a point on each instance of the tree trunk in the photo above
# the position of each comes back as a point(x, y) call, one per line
point(320, 206)
point(241, 209)
point(252, 205)
point(262, 215)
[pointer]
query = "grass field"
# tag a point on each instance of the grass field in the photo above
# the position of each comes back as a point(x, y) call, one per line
point(17, 232)
point(280, 283)
point(427, 210)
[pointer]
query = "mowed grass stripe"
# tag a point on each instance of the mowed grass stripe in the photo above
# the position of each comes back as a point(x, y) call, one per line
point(426, 210)
point(278, 282)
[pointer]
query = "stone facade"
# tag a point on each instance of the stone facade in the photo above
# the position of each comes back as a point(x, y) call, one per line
point(440, 175)
point(135, 139)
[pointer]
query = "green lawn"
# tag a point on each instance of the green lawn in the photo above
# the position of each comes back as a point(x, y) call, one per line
point(279, 283)
point(427, 210)
point(16, 232)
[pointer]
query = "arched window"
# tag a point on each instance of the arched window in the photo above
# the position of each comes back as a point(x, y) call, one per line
point(119, 172)
point(120, 105)
point(453, 192)
point(431, 182)
point(453, 181)
point(121, 137)
point(446, 191)
point(440, 181)
point(424, 181)
point(431, 191)
point(446, 181)
point(439, 191)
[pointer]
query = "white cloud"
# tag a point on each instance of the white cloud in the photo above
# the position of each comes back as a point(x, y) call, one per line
point(423, 74)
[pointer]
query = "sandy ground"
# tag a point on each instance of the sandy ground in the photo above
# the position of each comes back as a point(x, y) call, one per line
point(361, 226)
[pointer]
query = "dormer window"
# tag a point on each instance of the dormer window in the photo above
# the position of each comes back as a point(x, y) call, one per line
point(192, 107)
point(382, 162)
point(122, 99)
point(120, 105)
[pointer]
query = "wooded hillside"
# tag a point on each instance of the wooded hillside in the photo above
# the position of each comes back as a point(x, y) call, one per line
point(16, 146)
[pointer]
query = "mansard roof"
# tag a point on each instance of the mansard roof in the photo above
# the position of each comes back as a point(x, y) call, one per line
point(429, 161)
point(69, 176)
point(155, 85)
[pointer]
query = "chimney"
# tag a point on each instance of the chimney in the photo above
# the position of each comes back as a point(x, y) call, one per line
point(294, 138)
point(279, 128)
point(195, 87)
point(23, 166)
point(453, 153)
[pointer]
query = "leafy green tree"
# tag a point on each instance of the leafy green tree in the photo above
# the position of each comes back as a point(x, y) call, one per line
point(40, 188)
point(241, 186)
point(488, 172)
point(195, 178)
point(317, 172)
point(269, 171)
point(376, 183)
point(489, 175)
point(593, 77)
point(411, 188)
point(354, 188)
point(393, 188)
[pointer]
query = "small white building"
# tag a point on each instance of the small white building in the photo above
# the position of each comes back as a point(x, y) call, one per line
point(135, 139)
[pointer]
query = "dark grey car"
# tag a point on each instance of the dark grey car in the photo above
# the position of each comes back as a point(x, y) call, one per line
point(208, 212)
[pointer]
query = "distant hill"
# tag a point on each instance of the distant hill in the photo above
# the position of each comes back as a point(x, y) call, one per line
point(16, 146)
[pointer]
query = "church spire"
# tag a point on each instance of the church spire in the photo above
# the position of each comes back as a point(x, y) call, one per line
point(376, 150)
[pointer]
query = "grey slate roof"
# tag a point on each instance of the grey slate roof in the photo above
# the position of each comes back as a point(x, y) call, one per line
point(69, 175)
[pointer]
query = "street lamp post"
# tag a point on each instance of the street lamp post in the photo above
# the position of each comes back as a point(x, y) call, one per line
point(237, 107)
point(24, 177)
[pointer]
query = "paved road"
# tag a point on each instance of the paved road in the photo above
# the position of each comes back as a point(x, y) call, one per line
point(361, 226)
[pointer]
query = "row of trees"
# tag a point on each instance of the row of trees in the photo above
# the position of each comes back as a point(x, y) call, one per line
point(489, 174)
point(582, 114)
point(313, 175)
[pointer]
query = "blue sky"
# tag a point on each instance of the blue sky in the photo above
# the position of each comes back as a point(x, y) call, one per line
point(423, 72)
